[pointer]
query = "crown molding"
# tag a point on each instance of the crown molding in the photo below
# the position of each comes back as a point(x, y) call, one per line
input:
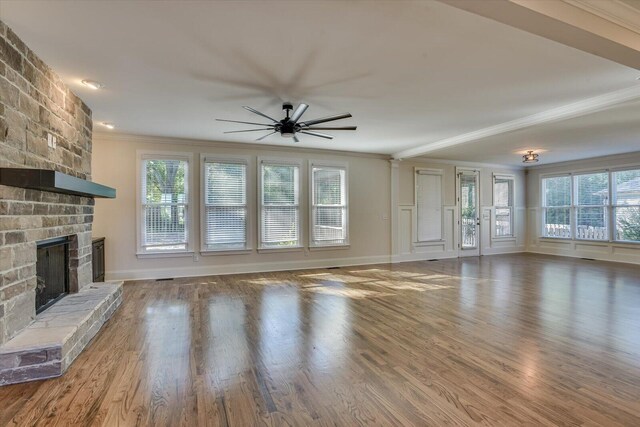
point(569, 111)
point(461, 163)
point(111, 136)
point(615, 11)
point(618, 160)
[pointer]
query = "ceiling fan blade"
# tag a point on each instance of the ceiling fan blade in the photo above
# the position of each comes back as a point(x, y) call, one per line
point(260, 114)
point(326, 119)
point(264, 136)
point(249, 130)
point(298, 113)
point(321, 135)
point(332, 128)
point(246, 123)
point(295, 139)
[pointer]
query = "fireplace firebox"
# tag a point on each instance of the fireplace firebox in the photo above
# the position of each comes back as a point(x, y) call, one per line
point(52, 270)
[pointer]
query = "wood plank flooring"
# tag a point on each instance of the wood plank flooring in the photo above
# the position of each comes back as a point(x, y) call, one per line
point(501, 340)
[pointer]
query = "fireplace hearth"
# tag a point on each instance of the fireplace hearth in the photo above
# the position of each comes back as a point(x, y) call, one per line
point(52, 272)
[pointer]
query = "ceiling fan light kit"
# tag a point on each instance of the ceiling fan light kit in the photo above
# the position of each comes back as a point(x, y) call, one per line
point(291, 125)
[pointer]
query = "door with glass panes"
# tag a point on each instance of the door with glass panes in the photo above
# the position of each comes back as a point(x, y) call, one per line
point(468, 200)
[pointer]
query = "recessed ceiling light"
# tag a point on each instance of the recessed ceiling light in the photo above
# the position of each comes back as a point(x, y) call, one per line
point(108, 125)
point(92, 84)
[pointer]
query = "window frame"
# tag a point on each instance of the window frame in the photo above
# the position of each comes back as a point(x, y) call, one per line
point(610, 207)
point(311, 205)
point(544, 207)
point(613, 223)
point(249, 238)
point(511, 208)
point(141, 156)
point(279, 161)
point(575, 206)
point(427, 171)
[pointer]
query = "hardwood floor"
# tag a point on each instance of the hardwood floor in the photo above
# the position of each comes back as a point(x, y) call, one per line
point(501, 340)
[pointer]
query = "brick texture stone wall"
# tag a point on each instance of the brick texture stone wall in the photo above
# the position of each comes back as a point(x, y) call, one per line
point(33, 103)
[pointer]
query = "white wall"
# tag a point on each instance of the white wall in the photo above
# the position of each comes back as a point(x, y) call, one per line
point(621, 252)
point(406, 247)
point(114, 164)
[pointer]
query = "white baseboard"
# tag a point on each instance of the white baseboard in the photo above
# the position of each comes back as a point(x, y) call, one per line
point(215, 270)
point(629, 259)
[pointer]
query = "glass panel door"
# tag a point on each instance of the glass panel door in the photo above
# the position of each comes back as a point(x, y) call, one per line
point(468, 203)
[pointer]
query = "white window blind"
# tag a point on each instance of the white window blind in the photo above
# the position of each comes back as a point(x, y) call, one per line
point(328, 206)
point(556, 201)
point(591, 201)
point(429, 206)
point(626, 205)
point(225, 205)
point(503, 204)
point(280, 208)
point(164, 203)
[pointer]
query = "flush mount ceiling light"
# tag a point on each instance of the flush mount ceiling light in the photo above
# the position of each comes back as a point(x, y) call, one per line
point(108, 125)
point(530, 157)
point(92, 84)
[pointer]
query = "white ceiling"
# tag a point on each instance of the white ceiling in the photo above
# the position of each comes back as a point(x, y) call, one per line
point(410, 72)
point(614, 131)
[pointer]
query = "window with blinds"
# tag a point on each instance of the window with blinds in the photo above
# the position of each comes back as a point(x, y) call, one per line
point(428, 205)
point(164, 205)
point(591, 204)
point(279, 205)
point(328, 206)
point(626, 205)
point(225, 205)
point(503, 189)
point(556, 206)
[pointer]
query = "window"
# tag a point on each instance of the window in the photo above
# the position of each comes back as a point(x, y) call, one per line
point(164, 204)
point(626, 205)
point(328, 206)
point(279, 205)
point(591, 201)
point(225, 205)
point(556, 206)
point(503, 187)
point(428, 205)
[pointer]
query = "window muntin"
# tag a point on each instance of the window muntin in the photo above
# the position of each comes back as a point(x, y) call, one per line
point(556, 206)
point(591, 200)
point(225, 205)
point(328, 206)
point(279, 205)
point(164, 205)
point(503, 191)
point(626, 205)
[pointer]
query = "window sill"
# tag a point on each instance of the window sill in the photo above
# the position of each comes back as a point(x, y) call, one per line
point(215, 252)
point(285, 249)
point(181, 254)
point(428, 243)
point(555, 239)
point(329, 248)
point(504, 238)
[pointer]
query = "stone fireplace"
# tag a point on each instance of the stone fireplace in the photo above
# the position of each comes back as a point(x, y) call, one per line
point(45, 126)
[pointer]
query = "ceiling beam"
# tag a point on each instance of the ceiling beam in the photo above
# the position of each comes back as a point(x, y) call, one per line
point(575, 109)
point(604, 28)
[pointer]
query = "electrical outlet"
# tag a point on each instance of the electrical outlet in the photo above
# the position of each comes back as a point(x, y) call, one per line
point(196, 257)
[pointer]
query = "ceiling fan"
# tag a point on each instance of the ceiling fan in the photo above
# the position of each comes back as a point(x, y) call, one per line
point(291, 124)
